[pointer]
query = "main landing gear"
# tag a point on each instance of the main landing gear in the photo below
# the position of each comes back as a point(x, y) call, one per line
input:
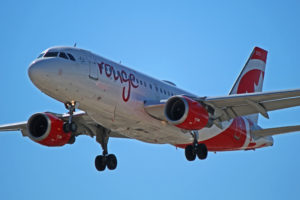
point(195, 149)
point(104, 160)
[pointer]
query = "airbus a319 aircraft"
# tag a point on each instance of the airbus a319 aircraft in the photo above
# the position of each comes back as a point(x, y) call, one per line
point(116, 101)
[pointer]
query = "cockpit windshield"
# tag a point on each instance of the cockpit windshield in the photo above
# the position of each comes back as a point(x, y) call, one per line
point(63, 55)
point(51, 54)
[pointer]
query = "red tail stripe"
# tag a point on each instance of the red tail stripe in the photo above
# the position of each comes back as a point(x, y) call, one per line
point(259, 54)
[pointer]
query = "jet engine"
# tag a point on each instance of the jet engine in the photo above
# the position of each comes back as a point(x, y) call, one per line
point(186, 113)
point(47, 129)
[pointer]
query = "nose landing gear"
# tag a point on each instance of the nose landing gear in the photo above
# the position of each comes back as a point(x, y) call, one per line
point(104, 160)
point(70, 126)
point(195, 149)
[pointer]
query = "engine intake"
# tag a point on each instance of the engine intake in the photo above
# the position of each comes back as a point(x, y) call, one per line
point(47, 129)
point(186, 113)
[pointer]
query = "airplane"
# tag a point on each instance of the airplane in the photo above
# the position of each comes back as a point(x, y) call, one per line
point(117, 101)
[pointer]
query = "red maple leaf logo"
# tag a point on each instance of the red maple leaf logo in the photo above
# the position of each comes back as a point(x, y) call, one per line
point(250, 81)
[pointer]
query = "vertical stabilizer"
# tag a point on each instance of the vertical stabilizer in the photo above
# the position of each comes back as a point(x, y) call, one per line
point(251, 77)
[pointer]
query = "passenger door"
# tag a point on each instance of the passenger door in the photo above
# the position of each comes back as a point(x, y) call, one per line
point(93, 68)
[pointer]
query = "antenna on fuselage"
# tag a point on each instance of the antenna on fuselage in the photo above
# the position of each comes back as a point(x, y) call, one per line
point(75, 44)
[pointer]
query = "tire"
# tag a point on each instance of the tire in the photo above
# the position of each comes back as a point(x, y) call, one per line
point(111, 162)
point(190, 153)
point(66, 127)
point(100, 163)
point(73, 127)
point(202, 151)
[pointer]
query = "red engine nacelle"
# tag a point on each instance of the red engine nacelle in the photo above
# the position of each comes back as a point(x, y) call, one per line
point(186, 113)
point(47, 129)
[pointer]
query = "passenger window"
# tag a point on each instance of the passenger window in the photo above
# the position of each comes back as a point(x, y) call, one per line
point(150, 86)
point(161, 90)
point(71, 56)
point(131, 77)
point(51, 54)
point(141, 82)
point(145, 84)
point(63, 55)
point(156, 88)
point(168, 93)
point(165, 92)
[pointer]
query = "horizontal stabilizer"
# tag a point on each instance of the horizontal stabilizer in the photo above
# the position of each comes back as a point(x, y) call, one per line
point(275, 131)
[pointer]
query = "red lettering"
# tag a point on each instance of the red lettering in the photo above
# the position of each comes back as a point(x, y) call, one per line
point(122, 76)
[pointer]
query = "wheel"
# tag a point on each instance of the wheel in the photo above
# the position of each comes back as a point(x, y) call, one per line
point(190, 153)
point(100, 163)
point(111, 162)
point(73, 127)
point(202, 151)
point(72, 140)
point(66, 127)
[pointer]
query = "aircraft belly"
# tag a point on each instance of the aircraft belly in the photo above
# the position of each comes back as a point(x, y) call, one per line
point(140, 126)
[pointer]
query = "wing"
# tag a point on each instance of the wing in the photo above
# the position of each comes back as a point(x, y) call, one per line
point(156, 109)
point(232, 106)
point(20, 126)
point(275, 131)
point(86, 126)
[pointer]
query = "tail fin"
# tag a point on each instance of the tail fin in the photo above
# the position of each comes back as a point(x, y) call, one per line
point(251, 77)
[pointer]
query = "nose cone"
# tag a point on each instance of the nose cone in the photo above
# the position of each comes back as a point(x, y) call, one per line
point(42, 72)
point(36, 72)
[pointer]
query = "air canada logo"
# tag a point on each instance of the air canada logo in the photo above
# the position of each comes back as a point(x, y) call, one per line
point(251, 82)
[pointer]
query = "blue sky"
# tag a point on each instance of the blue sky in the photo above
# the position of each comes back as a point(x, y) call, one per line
point(199, 45)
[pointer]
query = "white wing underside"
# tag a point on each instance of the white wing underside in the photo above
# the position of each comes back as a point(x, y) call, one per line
point(86, 126)
point(232, 106)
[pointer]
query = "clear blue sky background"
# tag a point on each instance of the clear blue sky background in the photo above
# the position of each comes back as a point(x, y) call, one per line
point(200, 45)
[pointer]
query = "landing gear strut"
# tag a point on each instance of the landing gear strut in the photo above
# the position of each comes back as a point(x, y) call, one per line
point(70, 126)
point(104, 160)
point(200, 150)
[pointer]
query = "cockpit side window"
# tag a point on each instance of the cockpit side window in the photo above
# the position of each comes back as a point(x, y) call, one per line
point(71, 56)
point(51, 54)
point(41, 55)
point(63, 55)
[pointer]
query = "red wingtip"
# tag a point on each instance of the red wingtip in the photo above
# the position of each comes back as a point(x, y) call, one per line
point(260, 54)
